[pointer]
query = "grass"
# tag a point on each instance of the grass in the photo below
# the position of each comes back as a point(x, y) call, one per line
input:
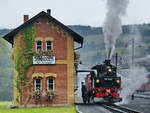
point(36, 110)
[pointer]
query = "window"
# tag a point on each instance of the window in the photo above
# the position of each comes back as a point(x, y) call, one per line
point(39, 46)
point(50, 84)
point(38, 84)
point(48, 45)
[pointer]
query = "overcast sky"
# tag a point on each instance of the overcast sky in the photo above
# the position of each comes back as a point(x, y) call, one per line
point(70, 12)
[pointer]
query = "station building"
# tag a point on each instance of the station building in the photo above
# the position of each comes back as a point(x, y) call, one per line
point(43, 56)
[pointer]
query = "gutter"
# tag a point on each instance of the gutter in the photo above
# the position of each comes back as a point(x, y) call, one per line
point(79, 47)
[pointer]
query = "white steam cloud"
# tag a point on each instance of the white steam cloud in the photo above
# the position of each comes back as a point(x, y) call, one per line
point(136, 77)
point(137, 74)
point(112, 25)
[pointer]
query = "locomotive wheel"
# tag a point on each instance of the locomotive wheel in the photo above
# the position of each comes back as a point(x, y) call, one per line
point(91, 100)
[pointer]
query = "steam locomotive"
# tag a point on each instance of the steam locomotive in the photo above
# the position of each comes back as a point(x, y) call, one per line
point(104, 84)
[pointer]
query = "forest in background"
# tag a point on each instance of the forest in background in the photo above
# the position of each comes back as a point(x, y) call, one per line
point(6, 71)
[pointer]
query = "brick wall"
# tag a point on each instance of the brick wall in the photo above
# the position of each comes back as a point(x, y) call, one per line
point(47, 29)
point(60, 83)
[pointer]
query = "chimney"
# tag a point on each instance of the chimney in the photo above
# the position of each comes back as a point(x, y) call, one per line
point(49, 12)
point(26, 18)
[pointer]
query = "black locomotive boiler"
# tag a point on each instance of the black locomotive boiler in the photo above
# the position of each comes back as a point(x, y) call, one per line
point(104, 84)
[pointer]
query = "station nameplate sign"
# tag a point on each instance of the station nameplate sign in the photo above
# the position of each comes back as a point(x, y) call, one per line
point(44, 60)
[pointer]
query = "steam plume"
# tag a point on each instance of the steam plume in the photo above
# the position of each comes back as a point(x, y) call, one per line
point(112, 25)
point(137, 74)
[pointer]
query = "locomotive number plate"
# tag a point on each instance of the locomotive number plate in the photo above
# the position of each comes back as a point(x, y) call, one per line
point(108, 79)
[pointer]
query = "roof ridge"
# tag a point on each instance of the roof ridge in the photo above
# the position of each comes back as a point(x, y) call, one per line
point(9, 37)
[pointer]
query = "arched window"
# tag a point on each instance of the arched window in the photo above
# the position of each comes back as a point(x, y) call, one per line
point(37, 84)
point(50, 83)
point(49, 45)
point(38, 46)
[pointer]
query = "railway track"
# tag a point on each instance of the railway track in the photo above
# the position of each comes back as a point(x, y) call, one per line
point(119, 109)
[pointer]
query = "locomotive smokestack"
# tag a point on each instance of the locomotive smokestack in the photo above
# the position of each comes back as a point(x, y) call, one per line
point(107, 62)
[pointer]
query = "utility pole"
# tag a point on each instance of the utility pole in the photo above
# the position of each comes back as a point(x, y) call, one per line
point(132, 52)
point(116, 61)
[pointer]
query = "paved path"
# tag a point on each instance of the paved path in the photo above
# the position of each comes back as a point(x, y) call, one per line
point(91, 109)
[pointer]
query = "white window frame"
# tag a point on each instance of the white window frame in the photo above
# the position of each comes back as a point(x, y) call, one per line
point(35, 84)
point(41, 45)
point(48, 84)
point(51, 45)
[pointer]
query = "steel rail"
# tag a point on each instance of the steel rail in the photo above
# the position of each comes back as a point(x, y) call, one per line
point(112, 109)
point(119, 109)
